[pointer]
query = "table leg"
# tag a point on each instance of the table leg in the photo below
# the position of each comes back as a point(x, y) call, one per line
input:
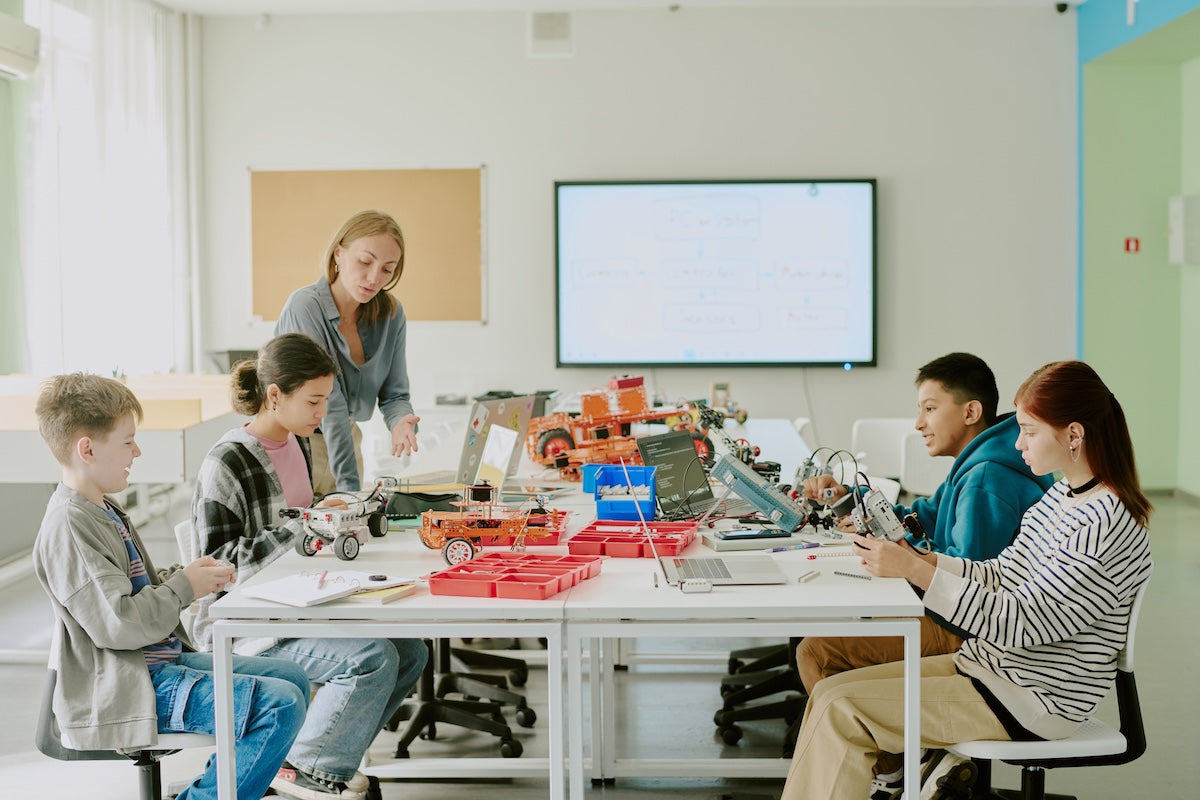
point(574, 712)
point(554, 668)
point(912, 710)
point(223, 710)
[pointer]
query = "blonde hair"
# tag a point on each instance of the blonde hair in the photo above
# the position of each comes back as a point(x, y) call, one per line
point(72, 406)
point(368, 223)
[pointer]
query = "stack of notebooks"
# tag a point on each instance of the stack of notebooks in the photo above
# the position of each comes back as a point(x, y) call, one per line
point(320, 586)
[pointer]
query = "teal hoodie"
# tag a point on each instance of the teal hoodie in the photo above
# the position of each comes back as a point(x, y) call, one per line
point(977, 510)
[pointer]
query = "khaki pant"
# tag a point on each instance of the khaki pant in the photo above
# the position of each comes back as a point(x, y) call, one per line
point(853, 714)
point(322, 478)
point(820, 657)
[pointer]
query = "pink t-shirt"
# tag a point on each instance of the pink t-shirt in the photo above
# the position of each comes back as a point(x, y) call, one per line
point(290, 467)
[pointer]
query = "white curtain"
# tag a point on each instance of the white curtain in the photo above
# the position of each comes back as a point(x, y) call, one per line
point(103, 217)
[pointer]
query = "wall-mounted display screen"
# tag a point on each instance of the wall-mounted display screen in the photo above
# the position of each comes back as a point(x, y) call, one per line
point(700, 273)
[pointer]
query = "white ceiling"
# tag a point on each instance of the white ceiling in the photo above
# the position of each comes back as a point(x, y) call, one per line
point(280, 7)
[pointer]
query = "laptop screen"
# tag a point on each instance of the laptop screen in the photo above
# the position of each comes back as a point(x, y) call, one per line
point(681, 482)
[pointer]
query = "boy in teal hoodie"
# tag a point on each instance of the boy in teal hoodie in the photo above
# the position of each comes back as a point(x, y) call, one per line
point(973, 514)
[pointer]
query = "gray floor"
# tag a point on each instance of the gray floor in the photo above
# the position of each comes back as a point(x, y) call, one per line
point(667, 709)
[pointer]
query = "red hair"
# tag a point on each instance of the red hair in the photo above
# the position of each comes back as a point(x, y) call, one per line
point(1070, 391)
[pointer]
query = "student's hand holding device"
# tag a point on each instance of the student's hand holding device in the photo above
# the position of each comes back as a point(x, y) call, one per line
point(894, 560)
point(404, 435)
point(208, 575)
point(823, 489)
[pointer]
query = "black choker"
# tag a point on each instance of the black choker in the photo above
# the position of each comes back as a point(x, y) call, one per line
point(1073, 492)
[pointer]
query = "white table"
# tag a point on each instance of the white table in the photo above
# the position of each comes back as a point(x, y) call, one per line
point(622, 602)
point(421, 615)
point(625, 603)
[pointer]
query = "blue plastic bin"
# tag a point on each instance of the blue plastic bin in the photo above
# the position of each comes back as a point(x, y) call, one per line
point(598, 476)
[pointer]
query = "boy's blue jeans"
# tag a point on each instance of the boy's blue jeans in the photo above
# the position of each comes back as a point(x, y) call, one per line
point(270, 697)
point(361, 684)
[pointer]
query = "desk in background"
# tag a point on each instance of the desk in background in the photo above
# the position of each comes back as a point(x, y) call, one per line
point(184, 417)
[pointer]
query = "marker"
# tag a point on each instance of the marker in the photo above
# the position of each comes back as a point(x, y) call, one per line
point(808, 576)
point(804, 546)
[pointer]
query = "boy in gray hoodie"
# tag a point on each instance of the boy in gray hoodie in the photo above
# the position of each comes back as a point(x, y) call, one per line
point(126, 671)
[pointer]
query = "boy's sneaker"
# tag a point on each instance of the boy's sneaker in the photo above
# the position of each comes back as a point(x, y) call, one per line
point(291, 782)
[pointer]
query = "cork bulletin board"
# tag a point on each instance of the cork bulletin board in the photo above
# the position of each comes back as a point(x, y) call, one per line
point(294, 215)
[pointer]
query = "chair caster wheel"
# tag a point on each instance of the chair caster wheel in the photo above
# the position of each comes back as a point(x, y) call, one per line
point(526, 717)
point(518, 677)
point(730, 734)
point(511, 748)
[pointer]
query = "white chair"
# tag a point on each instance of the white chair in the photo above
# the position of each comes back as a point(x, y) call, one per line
point(1096, 743)
point(804, 427)
point(185, 539)
point(189, 551)
point(920, 473)
point(49, 739)
point(877, 442)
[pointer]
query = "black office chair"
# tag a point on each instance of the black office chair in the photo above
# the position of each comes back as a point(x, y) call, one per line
point(1095, 744)
point(772, 672)
point(481, 707)
point(49, 742)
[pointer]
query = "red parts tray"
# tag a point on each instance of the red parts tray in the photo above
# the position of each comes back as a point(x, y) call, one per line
point(526, 576)
point(628, 539)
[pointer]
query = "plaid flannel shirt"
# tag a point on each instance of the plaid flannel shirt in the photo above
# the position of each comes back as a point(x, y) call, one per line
point(235, 511)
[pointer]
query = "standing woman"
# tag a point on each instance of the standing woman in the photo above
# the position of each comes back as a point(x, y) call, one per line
point(350, 311)
point(1047, 616)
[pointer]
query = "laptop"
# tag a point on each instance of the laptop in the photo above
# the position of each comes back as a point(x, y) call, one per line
point(482, 455)
point(740, 571)
point(680, 480)
point(512, 413)
point(744, 570)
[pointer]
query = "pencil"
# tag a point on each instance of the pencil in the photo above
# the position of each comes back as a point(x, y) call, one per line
point(804, 546)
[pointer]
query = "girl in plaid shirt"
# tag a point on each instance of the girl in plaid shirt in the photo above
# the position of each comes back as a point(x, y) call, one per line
point(247, 477)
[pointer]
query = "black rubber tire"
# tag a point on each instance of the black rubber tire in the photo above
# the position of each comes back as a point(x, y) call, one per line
point(554, 434)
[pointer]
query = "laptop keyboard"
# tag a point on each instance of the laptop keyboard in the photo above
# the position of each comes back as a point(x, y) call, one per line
point(708, 568)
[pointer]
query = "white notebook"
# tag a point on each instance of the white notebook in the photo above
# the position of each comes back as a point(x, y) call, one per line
point(320, 586)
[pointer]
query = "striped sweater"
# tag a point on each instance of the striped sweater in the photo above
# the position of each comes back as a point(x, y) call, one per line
point(1050, 613)
point(235, 511)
